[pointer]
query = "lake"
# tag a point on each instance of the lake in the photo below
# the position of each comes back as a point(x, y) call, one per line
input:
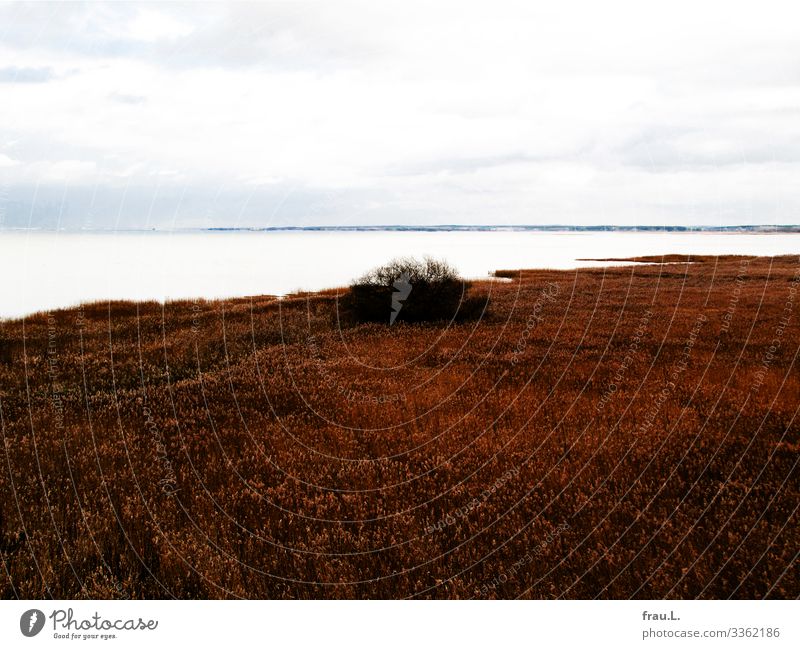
point(49, 270)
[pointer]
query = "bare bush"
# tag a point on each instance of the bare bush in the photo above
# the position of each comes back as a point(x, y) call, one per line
point(410, 290)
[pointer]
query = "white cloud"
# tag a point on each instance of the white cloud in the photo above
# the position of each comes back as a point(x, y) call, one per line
point(503, 112)
point(151, 26)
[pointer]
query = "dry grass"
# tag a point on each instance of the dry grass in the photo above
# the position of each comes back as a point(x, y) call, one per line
point(620, 432)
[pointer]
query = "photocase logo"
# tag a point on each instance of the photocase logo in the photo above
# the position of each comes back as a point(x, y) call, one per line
point(402, 289)
point(31, 622)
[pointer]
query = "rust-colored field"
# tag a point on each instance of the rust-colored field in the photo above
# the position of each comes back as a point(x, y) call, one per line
point(622, 432)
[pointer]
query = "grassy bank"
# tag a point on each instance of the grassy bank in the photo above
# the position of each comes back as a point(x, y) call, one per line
point(621, 432)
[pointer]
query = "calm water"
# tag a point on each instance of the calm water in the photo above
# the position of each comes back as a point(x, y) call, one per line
point(46, 270)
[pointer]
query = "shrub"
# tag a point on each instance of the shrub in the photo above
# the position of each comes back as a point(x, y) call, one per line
point(409, 290)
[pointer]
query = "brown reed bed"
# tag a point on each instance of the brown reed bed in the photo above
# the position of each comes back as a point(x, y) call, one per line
point(613, 432)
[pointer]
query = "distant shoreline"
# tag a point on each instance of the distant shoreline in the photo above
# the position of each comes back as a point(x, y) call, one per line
point(733, 229)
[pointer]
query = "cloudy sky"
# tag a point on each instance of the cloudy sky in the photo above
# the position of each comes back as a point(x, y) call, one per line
point(169, 115)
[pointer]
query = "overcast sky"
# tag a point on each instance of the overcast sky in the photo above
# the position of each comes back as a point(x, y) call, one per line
point(151, 115)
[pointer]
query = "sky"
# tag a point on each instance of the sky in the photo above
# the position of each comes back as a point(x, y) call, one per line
point(135, 115)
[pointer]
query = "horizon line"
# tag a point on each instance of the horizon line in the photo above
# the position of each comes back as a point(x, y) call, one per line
point(418, 227)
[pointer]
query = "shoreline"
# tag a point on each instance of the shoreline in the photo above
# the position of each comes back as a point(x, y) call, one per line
point(498, 276)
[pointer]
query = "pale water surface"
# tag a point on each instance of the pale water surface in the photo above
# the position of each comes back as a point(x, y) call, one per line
point(48, 270)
